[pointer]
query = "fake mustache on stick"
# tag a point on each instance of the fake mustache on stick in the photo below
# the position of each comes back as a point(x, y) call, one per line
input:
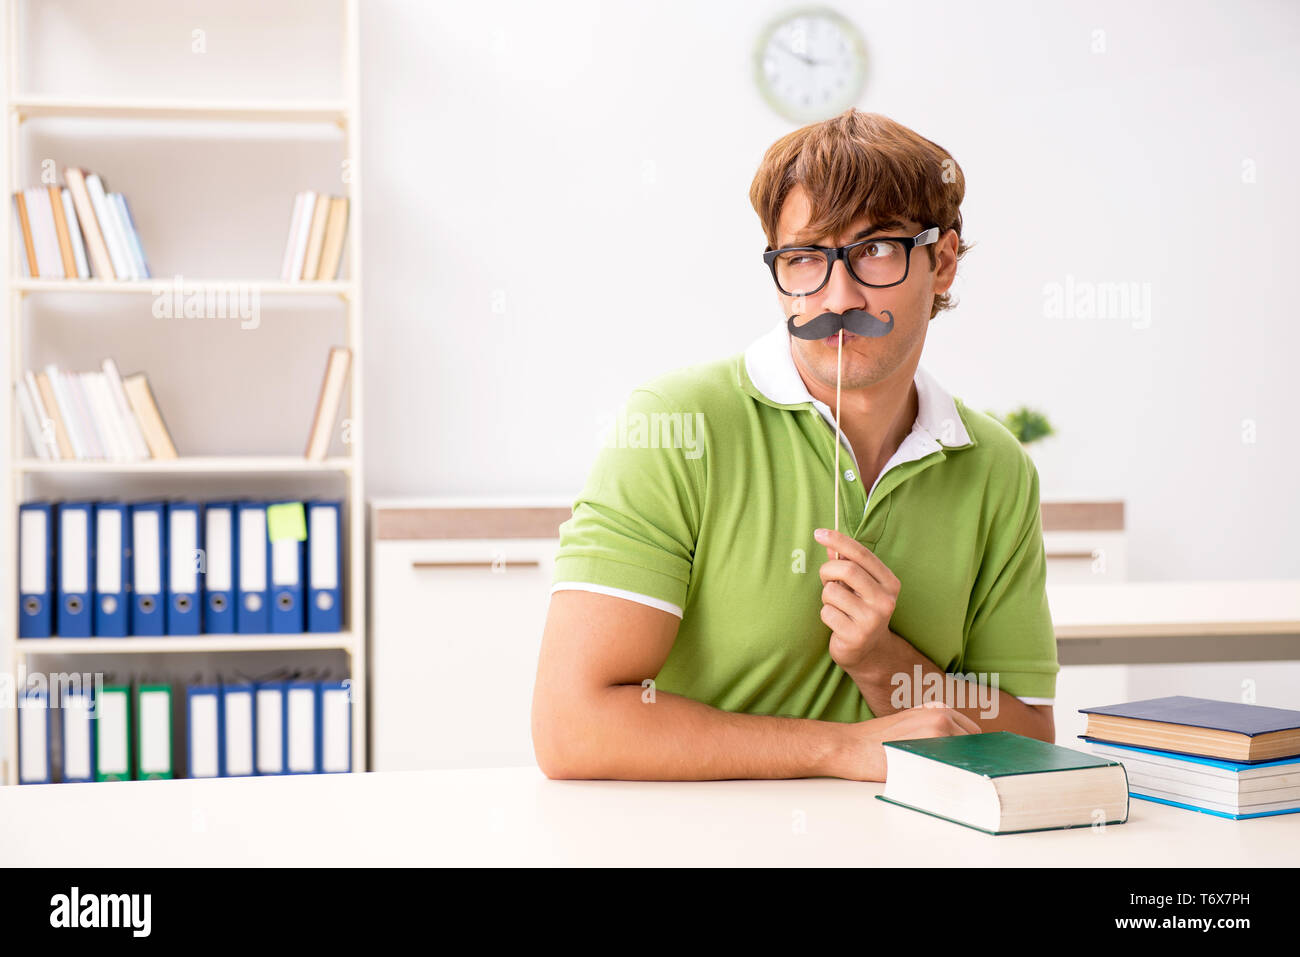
point(857, 321)
point(861, 323)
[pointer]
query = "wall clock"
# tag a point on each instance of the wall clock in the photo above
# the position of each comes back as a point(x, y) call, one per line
point(810, 64)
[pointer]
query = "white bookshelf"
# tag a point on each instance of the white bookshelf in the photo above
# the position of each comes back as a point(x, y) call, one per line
point(21, 469)
point(198, 464)
point(284, 111)
point(190, 644)
point(265, 287)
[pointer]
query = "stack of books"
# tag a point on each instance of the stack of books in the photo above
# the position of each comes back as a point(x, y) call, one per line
point(316, 231)
point(98, 416)
point(103, 416)
point(1220, 757)
point(78, 231)
point(95, 416)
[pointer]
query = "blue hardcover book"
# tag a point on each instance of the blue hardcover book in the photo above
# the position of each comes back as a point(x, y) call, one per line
point(36, 570)
point(324, 566)
point(185, 558)
point(76, 561)
point(112, 570)
point(221, 543)
point(1178, 756)
point(1200, 726)
point(252, 609)
point(204, 726)
point(148, 565)
point(1231, 789)
point(1216, 813)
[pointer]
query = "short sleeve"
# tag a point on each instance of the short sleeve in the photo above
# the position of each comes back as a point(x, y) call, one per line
point(635, 524)
point(1010, 629)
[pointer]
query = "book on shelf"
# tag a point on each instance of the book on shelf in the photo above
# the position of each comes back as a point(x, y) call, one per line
point(327, 403)
point(104, 416)
point(61, 231)
point(151, 420)
point(1004, 783)
point(95, 416)
point(315, 237)
point(317, 228)
point(28, 259)
point(94, 236)
point(79, 231)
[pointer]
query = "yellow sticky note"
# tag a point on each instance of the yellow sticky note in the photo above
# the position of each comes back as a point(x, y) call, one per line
point(286, 521)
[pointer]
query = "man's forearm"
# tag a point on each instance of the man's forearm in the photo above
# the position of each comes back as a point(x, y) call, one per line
point(893, 668)
point(629, 733)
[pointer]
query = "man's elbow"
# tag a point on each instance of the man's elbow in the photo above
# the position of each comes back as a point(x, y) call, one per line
point(555, 746)
point(554, 769)
point(552, 760)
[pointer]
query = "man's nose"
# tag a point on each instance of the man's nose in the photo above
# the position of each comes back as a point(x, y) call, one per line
point(842, 290)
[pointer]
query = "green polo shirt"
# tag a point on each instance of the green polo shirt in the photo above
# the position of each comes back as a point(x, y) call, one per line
point(703, 500)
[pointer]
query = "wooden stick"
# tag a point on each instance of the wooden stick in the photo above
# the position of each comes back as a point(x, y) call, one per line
point(839, 367)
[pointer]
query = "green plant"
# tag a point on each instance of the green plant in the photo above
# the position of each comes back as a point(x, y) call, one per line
point(1026, 424)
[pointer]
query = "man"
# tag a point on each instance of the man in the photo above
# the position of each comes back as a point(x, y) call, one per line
point(691, 633)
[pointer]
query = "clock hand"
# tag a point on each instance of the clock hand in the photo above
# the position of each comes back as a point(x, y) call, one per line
point(808, 60)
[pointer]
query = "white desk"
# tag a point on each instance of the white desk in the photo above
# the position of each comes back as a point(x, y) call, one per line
point(516, 816)
point(1176, 609)
point(1168, 622)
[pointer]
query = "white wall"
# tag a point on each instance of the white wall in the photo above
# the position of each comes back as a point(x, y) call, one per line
point(505, 137)
point(527, 166)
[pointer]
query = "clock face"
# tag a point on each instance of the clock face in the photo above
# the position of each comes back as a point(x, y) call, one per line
point(811, 64)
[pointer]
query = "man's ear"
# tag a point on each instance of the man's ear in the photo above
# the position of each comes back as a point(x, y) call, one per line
point(945, 270)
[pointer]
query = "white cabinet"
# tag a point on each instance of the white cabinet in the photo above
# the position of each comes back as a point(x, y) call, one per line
point(1084, 542)
point(457, 626)
point(1085, 557)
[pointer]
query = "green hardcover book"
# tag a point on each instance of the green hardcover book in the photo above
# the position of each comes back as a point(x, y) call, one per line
point(113, 733)
point(154, 724)
point(1004, 783)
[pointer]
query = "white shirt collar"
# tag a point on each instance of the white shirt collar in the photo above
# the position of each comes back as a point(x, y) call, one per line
point(771, 369)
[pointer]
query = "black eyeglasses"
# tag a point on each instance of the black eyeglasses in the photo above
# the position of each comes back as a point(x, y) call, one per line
point(880, 261)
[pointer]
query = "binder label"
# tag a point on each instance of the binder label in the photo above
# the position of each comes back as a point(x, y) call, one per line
point(32, 565)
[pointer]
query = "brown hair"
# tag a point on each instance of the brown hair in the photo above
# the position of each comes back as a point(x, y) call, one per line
point(862, 164)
